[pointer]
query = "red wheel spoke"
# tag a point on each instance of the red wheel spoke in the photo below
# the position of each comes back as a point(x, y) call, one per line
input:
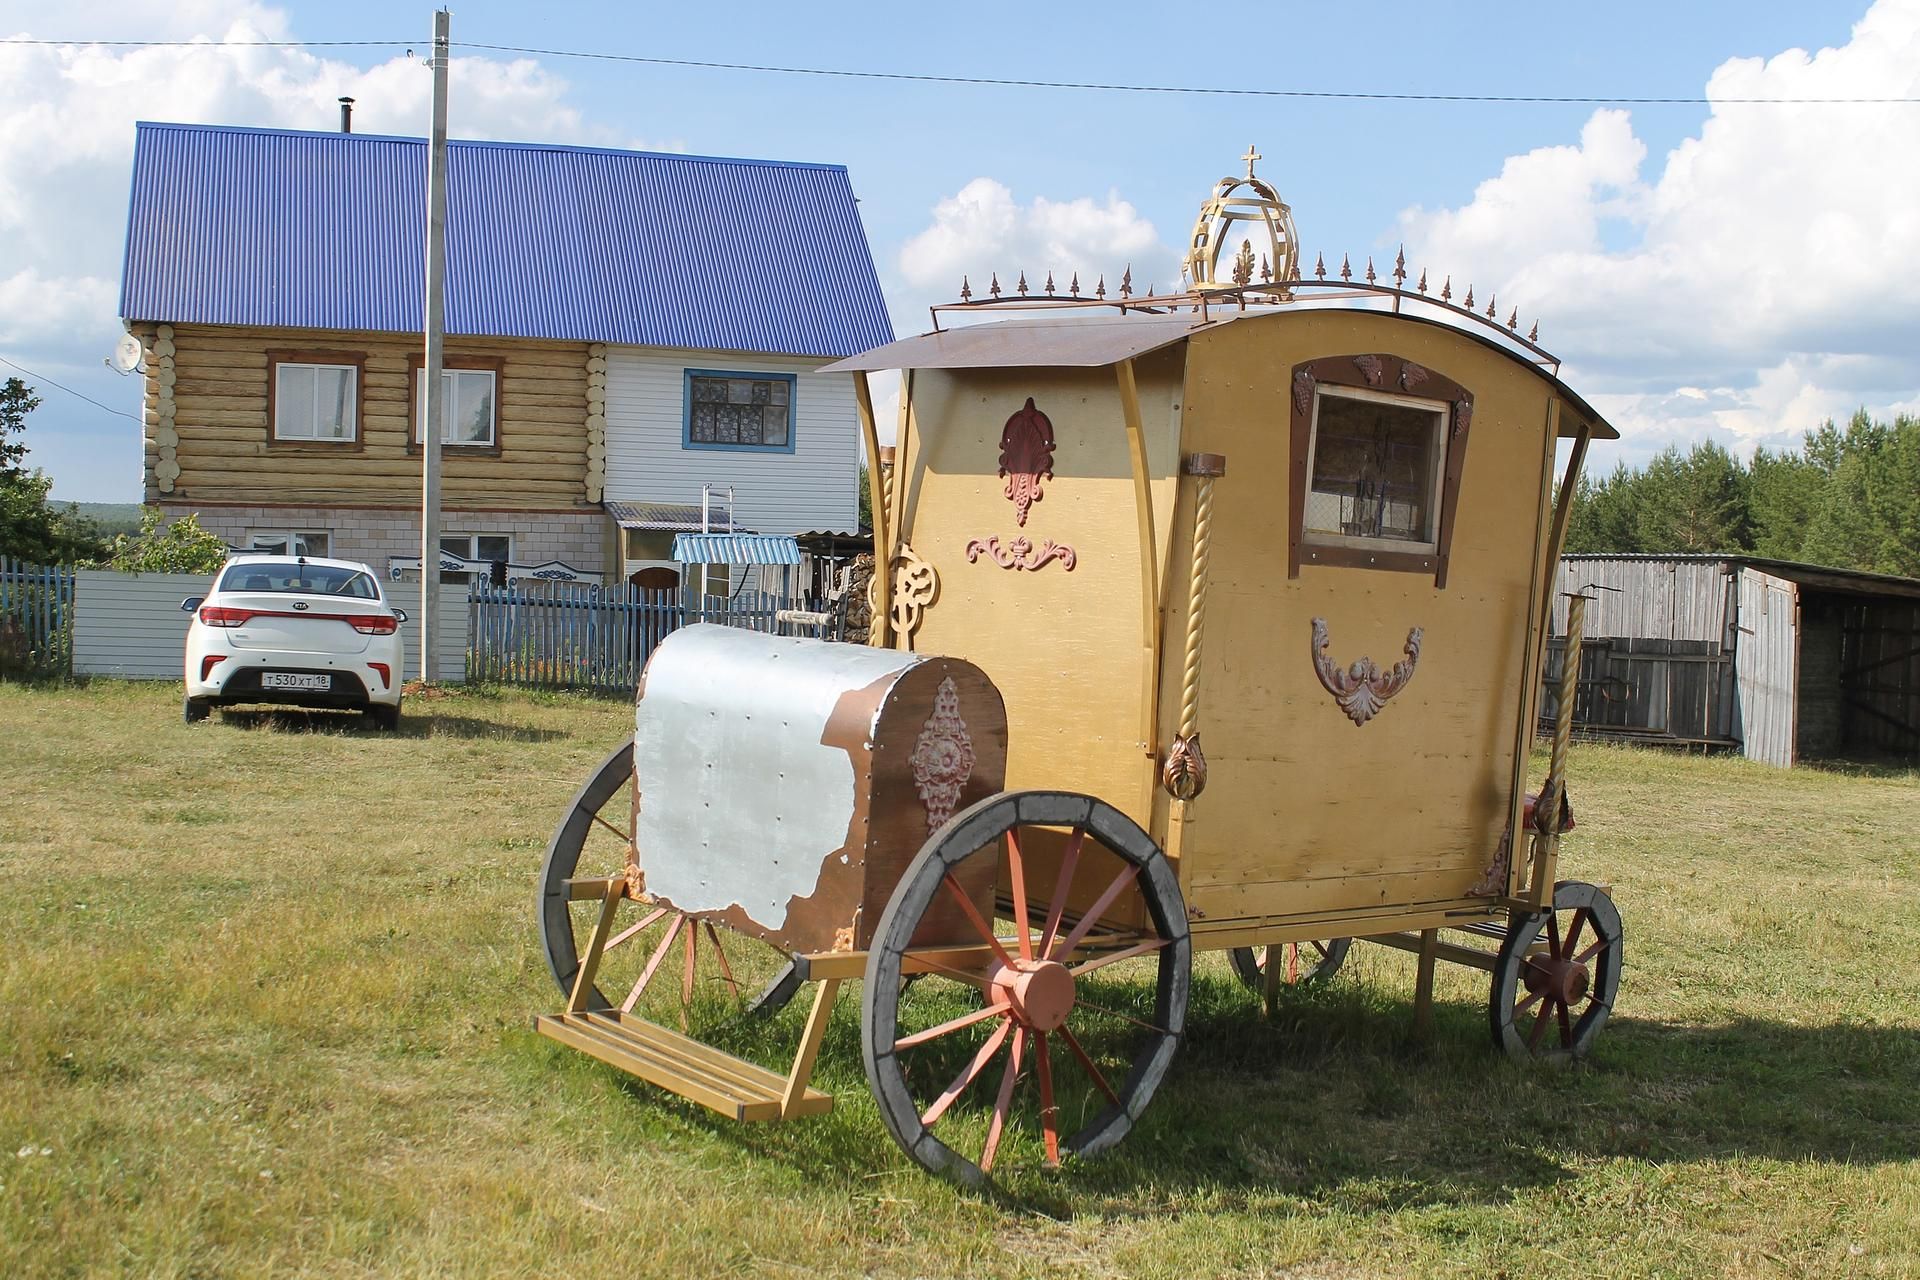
point(1060, 888)
point(1599, 945)
point(1086, 1064)
point(955, 1024)
point(1114, 957)
point(1017, 872)
point(651, 918)
point(720, 954)
point(1573, 931)
point(1293, 963)
point(1317, 947)
point(1522, 1006)
point(1087, 921)
point(692, 959)
point(1004, 1102)
point(1566, 1025)
point(1115, 1013)
point(626, 837)
point(966, 905)
point(1539, 1026)
point(967, 1073)
point(1553, 935)
point(1049, 1113)
point(653, 962)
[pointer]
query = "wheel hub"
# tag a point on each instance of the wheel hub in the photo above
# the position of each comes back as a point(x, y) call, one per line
point(1565, 980)
point(1038, 992)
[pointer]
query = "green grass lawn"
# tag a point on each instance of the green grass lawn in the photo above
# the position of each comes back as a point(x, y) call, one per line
point(265, 987)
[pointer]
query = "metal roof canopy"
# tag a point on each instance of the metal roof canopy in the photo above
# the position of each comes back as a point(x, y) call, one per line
point(677, 516)
point(1081, 343)
point(735, 548)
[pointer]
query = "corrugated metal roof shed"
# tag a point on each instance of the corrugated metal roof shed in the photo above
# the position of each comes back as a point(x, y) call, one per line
point(668, 515)
point(735, 548)
point(325, 230)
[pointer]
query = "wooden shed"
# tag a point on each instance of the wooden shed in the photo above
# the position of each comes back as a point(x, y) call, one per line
point(1783, 662)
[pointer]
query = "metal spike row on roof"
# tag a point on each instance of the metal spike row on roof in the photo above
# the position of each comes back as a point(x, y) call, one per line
point(1400, 267)
point(1346, 271)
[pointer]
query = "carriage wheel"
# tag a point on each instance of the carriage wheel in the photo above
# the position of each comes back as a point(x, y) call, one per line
point(592, 840)
point(1556, 975)
point(1093, 1067)
point(1300, 961)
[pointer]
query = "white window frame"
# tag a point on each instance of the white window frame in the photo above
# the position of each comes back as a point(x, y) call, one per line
point(1436, 461)
point(289, 537)
point(450, 377)
point(280, 403)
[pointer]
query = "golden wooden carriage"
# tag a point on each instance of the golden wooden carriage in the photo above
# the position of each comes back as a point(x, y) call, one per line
point(1258, 575)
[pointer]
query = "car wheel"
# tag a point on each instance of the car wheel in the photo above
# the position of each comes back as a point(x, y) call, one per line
point(384, 717)
point(194, 710)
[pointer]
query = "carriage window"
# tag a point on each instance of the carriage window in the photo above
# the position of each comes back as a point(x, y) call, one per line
point(1376, 469)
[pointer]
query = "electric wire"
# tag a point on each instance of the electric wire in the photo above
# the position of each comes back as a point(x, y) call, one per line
point(39, 378)
point(912, 77)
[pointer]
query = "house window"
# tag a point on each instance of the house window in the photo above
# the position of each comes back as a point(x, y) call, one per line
point(469, 406)
point(315, 402)
point(289, 542)
point(739, 410)
point(1375, 466)
point(490, 547)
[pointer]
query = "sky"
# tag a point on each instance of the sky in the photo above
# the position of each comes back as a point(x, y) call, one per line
point(1707, 270)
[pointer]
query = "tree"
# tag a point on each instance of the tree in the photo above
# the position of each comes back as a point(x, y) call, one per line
point(1602, 521)
point(866, 500)
point(1785, 490)
point(180, 547)
point(30, 528)
point(1691, 503)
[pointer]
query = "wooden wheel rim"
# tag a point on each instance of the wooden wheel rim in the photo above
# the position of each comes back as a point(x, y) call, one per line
point(979, 830)
point(1318, 960)
point(559, 937)
point(1529, 1015)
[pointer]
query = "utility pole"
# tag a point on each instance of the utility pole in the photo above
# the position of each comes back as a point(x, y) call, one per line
point(436, 325)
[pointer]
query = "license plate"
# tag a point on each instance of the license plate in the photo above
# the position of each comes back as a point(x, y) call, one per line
point(283, 680)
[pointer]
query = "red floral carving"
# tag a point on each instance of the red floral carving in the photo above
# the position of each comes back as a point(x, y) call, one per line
point(942, 756)
point(1363, 688)
point(1026, 457)
point(1021, 553)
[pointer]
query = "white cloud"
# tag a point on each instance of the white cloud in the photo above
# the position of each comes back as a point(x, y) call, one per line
point(1764, 261)
point(982, 229)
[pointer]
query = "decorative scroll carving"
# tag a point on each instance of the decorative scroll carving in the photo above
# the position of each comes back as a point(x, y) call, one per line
point(1462, 416)
point(942, 756)
point(1021, 553)
point(1185, 773)
point(1362, 689)
point(915, 583)
point(1303, 383)
point(1493, 881)
point(1370, 369)
point(1026, 457)
point(1412, 375)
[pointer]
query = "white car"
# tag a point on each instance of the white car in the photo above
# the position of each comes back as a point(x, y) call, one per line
point(294, 630)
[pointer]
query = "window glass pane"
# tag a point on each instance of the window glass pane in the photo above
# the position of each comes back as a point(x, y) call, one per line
point(272, 544)
point(333, 405)
point(492, 546)
point(472, 392)
point(293, 402)
point(457, 544)
point(774, 424)
point(310, 544)
point(1373, 469)
point(739, 410)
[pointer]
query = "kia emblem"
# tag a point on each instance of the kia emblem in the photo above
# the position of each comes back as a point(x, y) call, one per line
point(300, 604)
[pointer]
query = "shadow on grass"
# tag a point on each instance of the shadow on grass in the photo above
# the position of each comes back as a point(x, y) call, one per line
point(1330, 1102)
point(435, 723)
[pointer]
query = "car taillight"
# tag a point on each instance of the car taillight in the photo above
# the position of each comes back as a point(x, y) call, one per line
point(375, 625)
point(386, 674)
point(208, 663)
point(217, 616)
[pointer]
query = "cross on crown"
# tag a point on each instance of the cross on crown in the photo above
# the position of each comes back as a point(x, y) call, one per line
point(1250, 157)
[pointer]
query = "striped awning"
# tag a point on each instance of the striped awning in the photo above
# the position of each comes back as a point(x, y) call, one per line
point(735, 548)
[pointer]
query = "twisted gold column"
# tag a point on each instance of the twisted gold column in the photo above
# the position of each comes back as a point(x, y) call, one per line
point(1185, 775)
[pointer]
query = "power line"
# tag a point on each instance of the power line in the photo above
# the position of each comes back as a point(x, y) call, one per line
point(39, 378)
point(1339, 95)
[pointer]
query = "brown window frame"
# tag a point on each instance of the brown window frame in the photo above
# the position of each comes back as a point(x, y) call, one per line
point(488, 364)
point(357, 361)
point(1395, 375)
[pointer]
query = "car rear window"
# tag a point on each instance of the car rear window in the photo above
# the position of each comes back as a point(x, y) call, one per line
point(304, 579)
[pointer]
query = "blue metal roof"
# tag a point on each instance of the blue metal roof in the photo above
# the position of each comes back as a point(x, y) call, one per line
point(327, 230)
point(735, 548)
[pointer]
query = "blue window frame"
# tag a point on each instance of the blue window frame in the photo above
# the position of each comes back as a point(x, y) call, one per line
point(742, 412)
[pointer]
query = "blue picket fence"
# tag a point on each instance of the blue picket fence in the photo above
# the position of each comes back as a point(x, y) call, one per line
point(561, 635)
point(36, 618)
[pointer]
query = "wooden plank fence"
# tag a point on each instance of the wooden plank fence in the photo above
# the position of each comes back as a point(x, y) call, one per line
point(561, 635)
point(36, 618)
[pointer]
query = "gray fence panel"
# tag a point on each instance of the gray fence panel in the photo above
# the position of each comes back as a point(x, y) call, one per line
point(130, 624)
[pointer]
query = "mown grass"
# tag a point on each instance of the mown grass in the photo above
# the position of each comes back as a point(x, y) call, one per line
point(264, 998)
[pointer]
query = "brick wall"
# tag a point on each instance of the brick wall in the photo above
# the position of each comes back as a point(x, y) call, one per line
point(373, 535)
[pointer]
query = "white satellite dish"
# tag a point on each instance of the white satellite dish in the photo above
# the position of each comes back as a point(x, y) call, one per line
point(128, 354)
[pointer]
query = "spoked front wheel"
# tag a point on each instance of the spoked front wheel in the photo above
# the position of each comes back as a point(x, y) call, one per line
point(1299, 961)
point(1556, 976)
point(654, 958)
point(1035, 999)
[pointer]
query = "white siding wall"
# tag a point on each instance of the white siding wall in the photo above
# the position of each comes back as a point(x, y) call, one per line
point(130, 625)
point(813, 487)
